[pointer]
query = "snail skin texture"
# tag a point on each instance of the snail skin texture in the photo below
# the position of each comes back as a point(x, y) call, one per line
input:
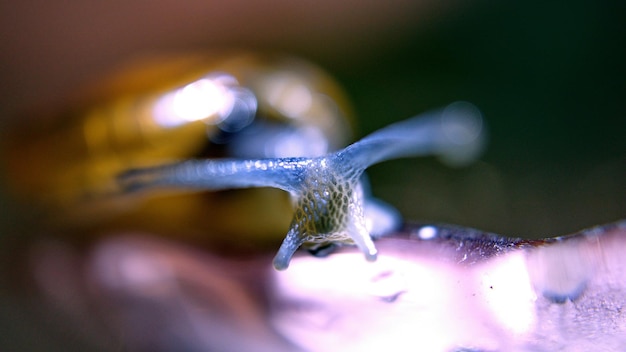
point(326, 191)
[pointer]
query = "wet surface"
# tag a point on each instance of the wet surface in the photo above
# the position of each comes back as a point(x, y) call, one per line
point(457, 289)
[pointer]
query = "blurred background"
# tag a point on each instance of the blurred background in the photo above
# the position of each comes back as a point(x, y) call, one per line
point(549, 78)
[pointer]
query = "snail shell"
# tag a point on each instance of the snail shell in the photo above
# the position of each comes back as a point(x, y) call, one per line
point(157, 110)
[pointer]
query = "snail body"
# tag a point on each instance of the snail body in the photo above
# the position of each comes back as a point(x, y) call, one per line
point(326, 191)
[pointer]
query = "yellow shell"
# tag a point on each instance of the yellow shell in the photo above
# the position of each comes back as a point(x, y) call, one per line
point(66, 164)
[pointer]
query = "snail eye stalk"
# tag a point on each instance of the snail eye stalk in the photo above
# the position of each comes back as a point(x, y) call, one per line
point(327, 193)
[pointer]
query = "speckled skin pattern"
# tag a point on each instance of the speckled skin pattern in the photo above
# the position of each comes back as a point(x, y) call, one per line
point(326, 191)
point(329, 208)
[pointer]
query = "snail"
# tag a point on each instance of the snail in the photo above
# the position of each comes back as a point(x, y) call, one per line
point(326, 191)
point(435, 287)
point(283, 115)
point(234, 104)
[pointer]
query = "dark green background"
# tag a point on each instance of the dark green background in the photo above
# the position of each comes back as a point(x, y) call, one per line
point(550, 79)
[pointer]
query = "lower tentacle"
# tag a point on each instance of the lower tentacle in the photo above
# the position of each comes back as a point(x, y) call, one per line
point(363, 240)
point(290, 244)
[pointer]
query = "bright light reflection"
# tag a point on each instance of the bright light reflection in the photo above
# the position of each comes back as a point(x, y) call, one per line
point(128, 268)
point(289, 95)
point(309, 142)
point(357, 305)
point(427, 233)
point(143, 270)
point(509, 295)
point(210, 98)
